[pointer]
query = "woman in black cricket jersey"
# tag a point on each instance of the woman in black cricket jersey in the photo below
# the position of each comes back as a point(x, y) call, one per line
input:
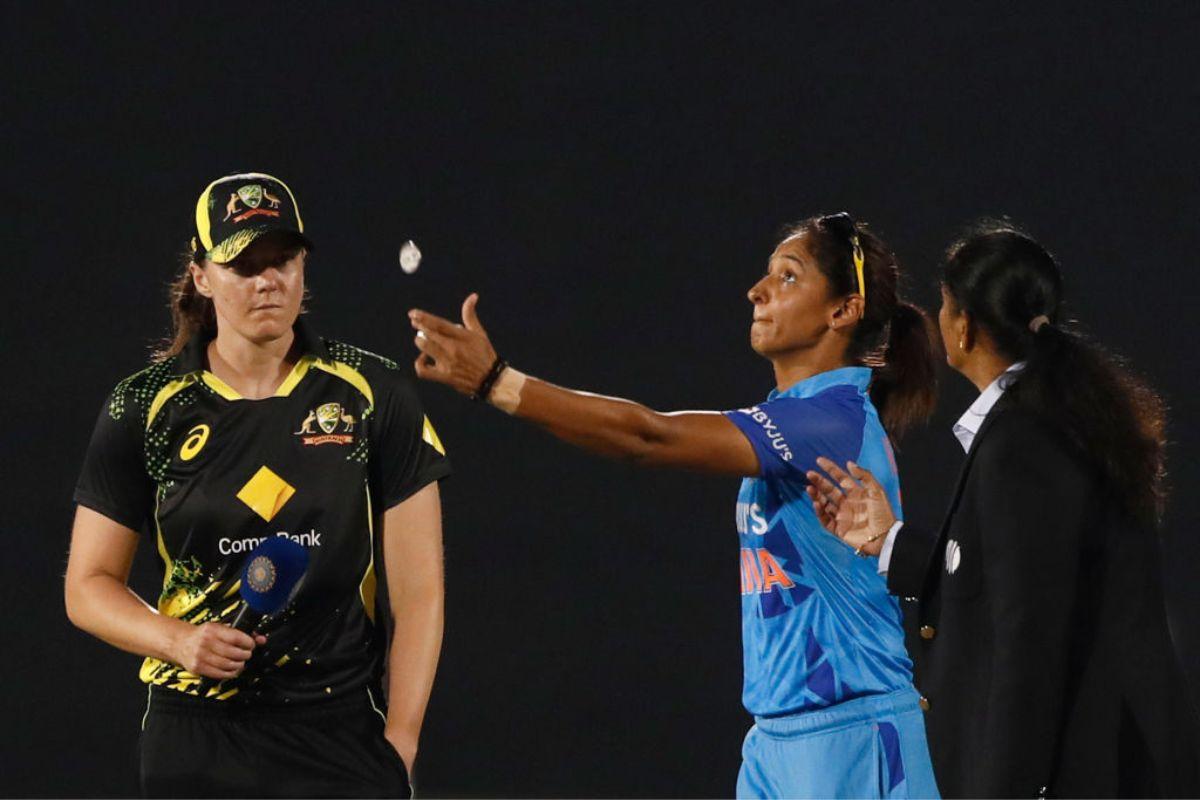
point(248, 426)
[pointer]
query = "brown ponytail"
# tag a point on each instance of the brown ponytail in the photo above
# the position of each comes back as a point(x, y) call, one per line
point(191, 312)
point(904, 388)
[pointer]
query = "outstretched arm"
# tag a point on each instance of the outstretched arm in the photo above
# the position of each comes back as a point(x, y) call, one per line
point(461, 356)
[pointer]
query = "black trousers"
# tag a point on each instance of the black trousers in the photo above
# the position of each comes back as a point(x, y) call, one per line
point(202, 748)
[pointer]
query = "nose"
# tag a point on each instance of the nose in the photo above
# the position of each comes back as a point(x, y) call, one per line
point(758, 292)
point(267, 280)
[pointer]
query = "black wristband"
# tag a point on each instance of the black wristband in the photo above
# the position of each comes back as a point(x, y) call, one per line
point(485, 386)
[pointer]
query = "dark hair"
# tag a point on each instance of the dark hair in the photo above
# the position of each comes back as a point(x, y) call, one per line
point(192, 312)
point(893, 336)
point(1004, 281)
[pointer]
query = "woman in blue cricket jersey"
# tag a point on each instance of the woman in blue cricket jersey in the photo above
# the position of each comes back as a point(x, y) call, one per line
point(826, 673)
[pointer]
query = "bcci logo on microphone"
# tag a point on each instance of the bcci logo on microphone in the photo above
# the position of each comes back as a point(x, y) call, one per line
point(329, 417)
point(261, 574)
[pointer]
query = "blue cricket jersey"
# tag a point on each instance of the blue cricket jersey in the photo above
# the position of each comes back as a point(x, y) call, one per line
point(818, 624)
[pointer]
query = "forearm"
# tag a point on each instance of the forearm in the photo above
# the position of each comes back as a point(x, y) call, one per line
point(109, 610)
point(412, 663)
point(607, 426)
point(461, 356)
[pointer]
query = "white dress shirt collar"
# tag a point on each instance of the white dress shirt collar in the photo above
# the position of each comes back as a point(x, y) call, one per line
point(969, 423)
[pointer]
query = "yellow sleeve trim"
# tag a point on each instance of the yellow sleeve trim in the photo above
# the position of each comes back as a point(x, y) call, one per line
point(429, 435)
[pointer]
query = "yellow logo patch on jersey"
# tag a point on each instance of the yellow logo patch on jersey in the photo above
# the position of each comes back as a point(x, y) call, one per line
point(266, 493)
point(196, 439)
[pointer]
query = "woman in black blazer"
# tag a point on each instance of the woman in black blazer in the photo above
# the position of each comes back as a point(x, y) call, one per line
point(1044, 655)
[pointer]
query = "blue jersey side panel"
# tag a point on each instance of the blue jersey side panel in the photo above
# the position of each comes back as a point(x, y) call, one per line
point(818, 625)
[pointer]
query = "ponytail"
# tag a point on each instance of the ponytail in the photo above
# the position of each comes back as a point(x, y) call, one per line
point(191, 312)
point(904, 388)
point(1106, 412)
point(1012, 288)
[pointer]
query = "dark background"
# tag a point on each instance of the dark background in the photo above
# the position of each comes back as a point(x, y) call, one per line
point(611, 179)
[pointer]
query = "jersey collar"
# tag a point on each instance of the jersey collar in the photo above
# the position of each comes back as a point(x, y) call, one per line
point(858, 377)
point(194, 354)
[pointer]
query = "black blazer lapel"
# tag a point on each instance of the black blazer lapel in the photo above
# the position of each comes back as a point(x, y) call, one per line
point(915, 568)
point(996, 411)
point(933, 566)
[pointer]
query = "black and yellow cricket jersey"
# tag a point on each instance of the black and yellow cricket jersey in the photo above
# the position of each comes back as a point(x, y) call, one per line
point(208, 474)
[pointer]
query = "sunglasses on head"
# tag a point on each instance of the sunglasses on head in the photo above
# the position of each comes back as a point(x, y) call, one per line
point(843, 225)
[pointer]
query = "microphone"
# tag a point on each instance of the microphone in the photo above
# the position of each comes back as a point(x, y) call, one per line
point(271, 578)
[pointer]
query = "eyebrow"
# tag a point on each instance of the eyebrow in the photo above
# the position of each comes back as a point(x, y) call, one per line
point(789, 257)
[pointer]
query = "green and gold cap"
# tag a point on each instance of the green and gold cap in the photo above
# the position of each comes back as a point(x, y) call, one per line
point(237, 209)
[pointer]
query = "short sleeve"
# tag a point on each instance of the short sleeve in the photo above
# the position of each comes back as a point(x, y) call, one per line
point(114, 480)
point(406, 452)
point(788, 433)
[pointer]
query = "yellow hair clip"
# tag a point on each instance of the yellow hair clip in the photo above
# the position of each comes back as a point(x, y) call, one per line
point(859, 261)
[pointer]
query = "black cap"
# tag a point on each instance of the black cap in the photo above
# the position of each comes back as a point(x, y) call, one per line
point(237, 209)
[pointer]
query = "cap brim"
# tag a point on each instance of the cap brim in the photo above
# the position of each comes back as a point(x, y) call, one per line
point(232, 247)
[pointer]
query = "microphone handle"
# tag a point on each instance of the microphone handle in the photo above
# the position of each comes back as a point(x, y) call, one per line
point(245, 621)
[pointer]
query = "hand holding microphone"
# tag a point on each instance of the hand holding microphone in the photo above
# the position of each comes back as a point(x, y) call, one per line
point(215, 650)
point(271, 578)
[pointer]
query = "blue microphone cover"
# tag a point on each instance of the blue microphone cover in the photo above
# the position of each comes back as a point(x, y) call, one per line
point(271, 573)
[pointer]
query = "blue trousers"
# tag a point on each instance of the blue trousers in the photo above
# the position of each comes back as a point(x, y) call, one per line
point(867, 747)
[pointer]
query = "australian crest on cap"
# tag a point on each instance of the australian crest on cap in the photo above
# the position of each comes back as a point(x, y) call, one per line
point(251, 194)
